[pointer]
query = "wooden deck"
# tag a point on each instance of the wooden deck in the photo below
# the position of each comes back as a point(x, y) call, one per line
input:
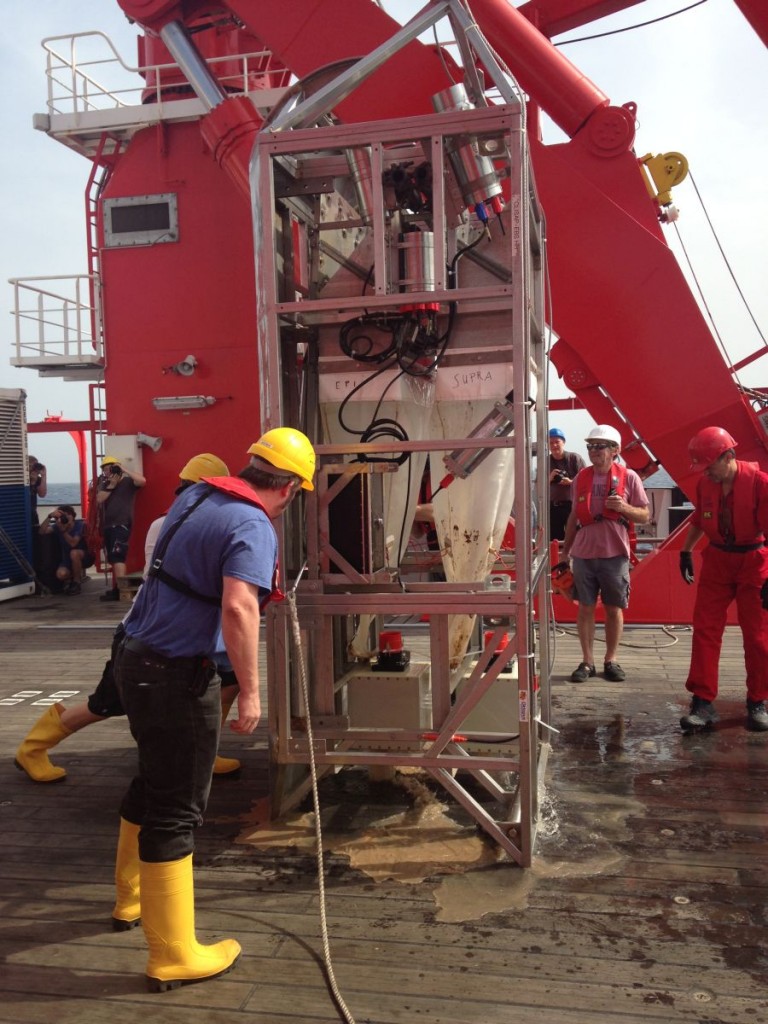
point(646, 902)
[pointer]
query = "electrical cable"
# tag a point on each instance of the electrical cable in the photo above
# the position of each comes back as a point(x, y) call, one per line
point(462, 252)
point(350, 394)
point(637, 647)
point(631, 28)
point(387, 356)
point(377, 428)
point(366, 352)
point(384, 427)
point(330, 974)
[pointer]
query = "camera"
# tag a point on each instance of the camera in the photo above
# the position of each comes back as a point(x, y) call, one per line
point(557, 477)
point(115, 471)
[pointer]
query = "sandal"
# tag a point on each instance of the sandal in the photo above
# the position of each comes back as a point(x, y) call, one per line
point(583, 672)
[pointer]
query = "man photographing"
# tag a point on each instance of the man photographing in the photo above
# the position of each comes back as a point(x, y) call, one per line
point(563, 468)
point(116, 495)
point(38, 485)
point(75, 556)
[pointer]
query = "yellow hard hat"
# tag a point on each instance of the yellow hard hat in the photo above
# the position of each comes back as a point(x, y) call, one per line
point(288, 449)
point(203, 465)
point(110, 460)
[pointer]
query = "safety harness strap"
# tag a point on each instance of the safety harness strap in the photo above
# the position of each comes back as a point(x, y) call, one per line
point(158, 573)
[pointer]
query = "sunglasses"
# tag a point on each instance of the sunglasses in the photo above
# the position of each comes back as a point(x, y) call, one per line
point(598, 446)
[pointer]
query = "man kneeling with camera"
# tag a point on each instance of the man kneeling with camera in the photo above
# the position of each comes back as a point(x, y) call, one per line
point(75, 556)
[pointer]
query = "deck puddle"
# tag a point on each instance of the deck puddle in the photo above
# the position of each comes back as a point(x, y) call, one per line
point(505, 888)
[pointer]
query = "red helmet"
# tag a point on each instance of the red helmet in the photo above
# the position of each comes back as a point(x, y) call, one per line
point(708, 445)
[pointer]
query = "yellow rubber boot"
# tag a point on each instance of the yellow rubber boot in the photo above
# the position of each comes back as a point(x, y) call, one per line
point(226, 765)
point(127, 912)
point(32, 756)
point(168, 919)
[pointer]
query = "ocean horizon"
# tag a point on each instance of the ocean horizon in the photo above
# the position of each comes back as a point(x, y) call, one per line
point(61, 494)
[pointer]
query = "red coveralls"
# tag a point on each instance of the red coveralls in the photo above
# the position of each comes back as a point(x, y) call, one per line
point(732, 567)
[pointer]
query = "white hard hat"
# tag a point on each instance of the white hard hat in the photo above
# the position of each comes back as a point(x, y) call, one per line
point(603, 432)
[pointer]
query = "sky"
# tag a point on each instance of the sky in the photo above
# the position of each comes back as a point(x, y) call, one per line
point(699, 80)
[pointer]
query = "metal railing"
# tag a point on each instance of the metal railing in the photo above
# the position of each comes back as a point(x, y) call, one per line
point(74, 61)
point(59, 324)
point(56, 323)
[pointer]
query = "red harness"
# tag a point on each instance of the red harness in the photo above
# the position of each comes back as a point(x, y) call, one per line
point(616, 485)
point(746, 530)
point(584, 481)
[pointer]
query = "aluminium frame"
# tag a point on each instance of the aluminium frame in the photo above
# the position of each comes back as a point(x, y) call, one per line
point(321, 601)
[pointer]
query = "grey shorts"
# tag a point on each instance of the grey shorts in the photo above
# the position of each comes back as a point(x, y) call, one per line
point(608, 577)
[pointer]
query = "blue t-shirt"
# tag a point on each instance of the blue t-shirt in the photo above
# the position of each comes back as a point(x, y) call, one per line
point(222, 537)
point(78, 530)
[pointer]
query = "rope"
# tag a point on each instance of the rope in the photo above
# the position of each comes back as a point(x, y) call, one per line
point(296, 636)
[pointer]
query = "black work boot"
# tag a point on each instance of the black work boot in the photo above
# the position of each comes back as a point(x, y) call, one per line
point(757, 716)
point(702, 715)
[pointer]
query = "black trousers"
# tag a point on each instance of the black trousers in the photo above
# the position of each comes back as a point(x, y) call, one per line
point(174, 710)
point(558, 517)
point(105, 700)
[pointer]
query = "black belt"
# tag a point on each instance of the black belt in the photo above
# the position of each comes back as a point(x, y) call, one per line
point(142, 650)
point(738, 549)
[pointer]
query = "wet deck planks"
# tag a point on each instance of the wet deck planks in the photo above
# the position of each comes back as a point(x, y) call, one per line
point(646, 903)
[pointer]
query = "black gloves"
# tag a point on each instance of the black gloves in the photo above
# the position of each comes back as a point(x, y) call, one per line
point(686, 566)
point(764, 594)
